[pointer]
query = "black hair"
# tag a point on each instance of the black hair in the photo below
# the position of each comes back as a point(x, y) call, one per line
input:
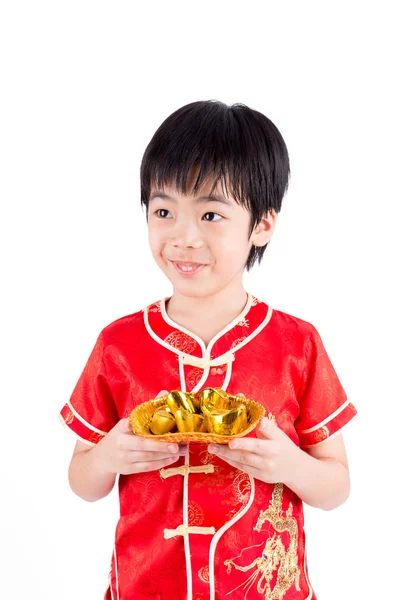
point(237, 145)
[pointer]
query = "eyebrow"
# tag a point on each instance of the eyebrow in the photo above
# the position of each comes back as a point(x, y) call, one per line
point(210, 198)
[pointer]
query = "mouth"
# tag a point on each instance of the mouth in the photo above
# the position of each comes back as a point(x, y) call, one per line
point(188, 269)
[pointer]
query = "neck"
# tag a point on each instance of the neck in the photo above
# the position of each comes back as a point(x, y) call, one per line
point(228, 302)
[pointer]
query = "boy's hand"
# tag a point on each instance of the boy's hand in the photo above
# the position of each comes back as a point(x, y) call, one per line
point(122, 451)
point(271, 457)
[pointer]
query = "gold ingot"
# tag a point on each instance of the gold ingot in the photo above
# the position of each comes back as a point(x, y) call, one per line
point(189, 422)
point(178, 400)
point(211, 398)
point(163, 421)
point(196, 403)
point(224, 421)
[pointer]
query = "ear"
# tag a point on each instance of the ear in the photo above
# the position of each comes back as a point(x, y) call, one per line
point(262, 232)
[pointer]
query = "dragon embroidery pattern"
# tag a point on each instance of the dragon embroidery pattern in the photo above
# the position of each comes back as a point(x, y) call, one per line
point(274, 555)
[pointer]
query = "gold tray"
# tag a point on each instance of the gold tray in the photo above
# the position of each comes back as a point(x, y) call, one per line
point(141, 416)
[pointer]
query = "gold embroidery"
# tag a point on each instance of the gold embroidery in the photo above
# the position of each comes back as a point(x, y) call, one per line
point(69, 417)
point(181, 341)
point(241, 487)
point(218, 370)
point(237, 342)
point(95, 437)
point(244, 322)
point(195, 514)
point(274, 555)
point(215, 484)
point(321, 434)
point(204, 574)
point(193, 377)
point(156, 307)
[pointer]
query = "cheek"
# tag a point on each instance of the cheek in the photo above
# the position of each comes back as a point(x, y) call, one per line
point(234, 246)
point(155, 240)
point(156, 250)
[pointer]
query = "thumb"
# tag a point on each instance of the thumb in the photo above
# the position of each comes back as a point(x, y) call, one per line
point(266, 429)
point(125, 425)
point(162, 393)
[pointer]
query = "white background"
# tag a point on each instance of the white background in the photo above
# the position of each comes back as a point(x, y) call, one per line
point(84, 87)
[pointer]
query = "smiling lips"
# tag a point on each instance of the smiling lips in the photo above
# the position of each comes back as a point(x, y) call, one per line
point(188, 268)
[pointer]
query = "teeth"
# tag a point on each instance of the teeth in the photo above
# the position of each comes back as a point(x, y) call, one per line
point(187, 267)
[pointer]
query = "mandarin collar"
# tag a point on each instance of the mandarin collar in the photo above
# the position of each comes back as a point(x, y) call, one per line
point(180, 340)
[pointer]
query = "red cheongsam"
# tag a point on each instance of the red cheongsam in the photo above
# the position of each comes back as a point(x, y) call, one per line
point(203, 529)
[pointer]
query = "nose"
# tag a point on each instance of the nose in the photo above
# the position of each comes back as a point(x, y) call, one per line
point(186, 234)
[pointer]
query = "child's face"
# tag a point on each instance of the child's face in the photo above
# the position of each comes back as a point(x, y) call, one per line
point(202, 245)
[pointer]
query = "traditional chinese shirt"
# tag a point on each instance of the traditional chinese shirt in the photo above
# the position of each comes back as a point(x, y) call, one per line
point(203, 530)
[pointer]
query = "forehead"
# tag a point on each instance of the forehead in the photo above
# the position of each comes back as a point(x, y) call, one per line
point(172, 194)
point(207, 191)
point(210, 184)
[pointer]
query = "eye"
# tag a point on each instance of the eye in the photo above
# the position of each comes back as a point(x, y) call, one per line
point(162, 213)
point(213, 214)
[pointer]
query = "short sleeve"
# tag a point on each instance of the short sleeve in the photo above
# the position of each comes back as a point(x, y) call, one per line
point(324, 406)
point(90, 412)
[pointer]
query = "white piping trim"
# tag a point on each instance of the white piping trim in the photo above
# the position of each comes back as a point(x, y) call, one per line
point(182, 373)
point(325, 421)
point(248, 339)
point(338, 432)
point(230, 325)
point(180, 327)
point(203, 379)
point(233, 323)
point(110, 586)
point(82, 420)
point(185, 510)
point(227, 377)
point(186, 524)
point(156, 337)
point(205, 350)
point(116, 572)
point(75, 435)
point(256, 331)
point(310, 590)
point(219, 534)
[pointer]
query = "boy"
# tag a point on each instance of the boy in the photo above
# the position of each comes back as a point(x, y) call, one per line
point(211, 522)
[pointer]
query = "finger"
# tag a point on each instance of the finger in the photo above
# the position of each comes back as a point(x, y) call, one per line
point(242, 467)
point(242, 457)
point(125, 426)
point(134, 456)
point(241, 395)
point(143, 455)
point(262, 446)
point(162, 393)
point(267, 429)
point(143, 467)
point(141, 444)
